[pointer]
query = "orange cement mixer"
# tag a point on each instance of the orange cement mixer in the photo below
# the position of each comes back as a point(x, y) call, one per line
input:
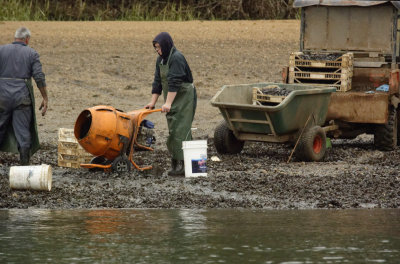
point(111, 136)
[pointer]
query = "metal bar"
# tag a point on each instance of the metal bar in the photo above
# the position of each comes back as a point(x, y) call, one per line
point(379, 52)
point(330, 128)
point(265, 138)
point(395, 15)
point(270, 126)
point(235, 132)
point(298, 139)
point(92, 166)
point(249, 121)
point(302, 28)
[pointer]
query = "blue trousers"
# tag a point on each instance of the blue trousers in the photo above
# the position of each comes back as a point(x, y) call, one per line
point(19, 115)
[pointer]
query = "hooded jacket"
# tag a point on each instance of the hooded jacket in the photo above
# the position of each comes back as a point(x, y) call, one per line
point(179, 70)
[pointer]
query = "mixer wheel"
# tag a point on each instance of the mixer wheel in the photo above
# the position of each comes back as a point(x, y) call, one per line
point(121, 164)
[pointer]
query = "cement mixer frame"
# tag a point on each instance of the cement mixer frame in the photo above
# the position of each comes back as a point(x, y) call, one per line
point(111, 136)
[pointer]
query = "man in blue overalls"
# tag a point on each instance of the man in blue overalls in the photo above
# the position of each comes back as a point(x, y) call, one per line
point(18, 64)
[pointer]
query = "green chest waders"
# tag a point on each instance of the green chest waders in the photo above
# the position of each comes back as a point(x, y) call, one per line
point(181, 115)
point(9, 143)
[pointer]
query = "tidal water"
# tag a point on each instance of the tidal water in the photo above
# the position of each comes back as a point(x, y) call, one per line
point(199, 236)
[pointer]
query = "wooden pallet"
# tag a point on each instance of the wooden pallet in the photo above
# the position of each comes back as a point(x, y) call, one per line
point(66, 135)
point(336, 73)
point(70, 153)
point(71, 161)
point(259, 98)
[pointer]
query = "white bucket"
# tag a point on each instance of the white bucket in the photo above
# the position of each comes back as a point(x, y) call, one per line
point(31, 177)
point(195, 157)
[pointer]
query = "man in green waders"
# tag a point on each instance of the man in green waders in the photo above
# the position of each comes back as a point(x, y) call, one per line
point(173, 78)
point(18, 63)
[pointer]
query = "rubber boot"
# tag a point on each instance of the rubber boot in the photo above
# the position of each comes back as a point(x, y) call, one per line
point(172, 171)
point(180, 168)
point(24, 156)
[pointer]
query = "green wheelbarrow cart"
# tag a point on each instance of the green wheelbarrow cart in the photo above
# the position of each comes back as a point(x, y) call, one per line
point(252, 115)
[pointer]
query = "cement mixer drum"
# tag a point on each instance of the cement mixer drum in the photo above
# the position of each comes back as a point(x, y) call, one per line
point(103, 131)
point(112, 136)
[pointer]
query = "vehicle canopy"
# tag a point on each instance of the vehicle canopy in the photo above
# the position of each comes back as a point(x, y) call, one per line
point(303, 3)
point(348, 25)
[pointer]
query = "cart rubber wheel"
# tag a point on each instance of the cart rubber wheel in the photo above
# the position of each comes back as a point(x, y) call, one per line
point(398, 128)
point(312, 145)
point(385, 136)
point(121, 164)
point(225, 141)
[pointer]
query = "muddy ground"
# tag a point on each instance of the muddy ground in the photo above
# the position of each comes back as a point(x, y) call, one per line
point(112, 63)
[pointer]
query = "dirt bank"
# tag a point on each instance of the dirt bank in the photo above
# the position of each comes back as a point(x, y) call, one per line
point(112, 63)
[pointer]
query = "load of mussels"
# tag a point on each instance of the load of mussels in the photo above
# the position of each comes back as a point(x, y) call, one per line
point(276, 90)
point(311, 56)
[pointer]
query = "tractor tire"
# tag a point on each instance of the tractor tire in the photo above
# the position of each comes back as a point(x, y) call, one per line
point(121, 164)
point(225, 141)
point(312, 145)
point(386, 135)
